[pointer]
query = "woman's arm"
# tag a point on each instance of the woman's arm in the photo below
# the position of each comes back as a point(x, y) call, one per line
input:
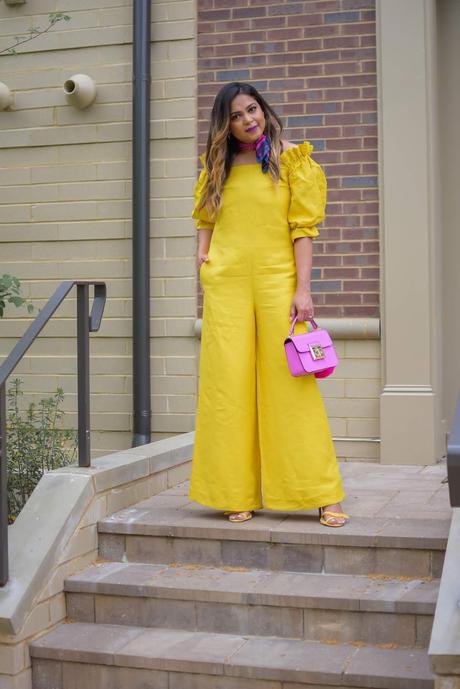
point(302, 304)
point(204, 242)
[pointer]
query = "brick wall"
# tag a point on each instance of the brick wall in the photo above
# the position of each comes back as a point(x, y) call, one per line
point(315, 62)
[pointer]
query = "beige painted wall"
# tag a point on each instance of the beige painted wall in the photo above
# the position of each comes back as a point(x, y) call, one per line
point(448, 16)
point(66, 205)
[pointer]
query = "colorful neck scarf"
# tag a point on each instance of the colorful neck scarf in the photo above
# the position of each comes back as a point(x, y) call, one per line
point(262, 148)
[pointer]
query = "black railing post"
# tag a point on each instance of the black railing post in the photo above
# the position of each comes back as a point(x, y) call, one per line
point(3, 492)
point(84, 444)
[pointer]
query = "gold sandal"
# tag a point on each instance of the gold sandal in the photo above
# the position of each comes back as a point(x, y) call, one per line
point(325, 517)
point(239, 516)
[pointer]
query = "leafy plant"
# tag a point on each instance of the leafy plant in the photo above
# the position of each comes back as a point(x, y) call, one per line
point(10, 292)
point(36, 443)
point(35, 31)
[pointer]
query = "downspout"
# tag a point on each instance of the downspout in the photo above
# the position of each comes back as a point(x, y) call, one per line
point(141, 222)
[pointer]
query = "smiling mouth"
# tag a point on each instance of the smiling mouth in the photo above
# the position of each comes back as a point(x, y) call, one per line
point(251, 129)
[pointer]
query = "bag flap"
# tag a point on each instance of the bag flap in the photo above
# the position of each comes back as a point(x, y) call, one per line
point(317, 337)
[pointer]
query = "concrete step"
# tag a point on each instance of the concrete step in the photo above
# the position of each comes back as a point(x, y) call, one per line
point(321, 607)
point(107, 656)
point(169, 528)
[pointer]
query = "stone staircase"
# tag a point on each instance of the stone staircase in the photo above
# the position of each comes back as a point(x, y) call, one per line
point(183, 599)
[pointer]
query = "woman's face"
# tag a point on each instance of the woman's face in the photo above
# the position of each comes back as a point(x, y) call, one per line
point(247, 120)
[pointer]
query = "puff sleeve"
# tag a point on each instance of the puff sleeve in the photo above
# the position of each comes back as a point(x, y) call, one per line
point(203, 221)
point(307, 183)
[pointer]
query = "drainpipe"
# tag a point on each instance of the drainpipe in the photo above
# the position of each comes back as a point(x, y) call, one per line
point(141, 222)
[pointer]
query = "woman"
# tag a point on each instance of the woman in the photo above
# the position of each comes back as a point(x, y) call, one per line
point(262, 436)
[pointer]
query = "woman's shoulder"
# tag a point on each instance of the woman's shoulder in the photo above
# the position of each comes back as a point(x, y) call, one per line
point(295, 155)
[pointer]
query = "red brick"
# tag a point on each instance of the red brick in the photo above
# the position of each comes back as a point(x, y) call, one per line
point(269, 23)
point(360, 106)
point(369, 66)
point(330, 234)
point(323, 82)
point(323, 56)
point(370, 142)
point(231, 3)
point(342, 94)
point(214, 63)
point(357, 54)
point(367, 41)
point(323, 5)
point(341, 42)
point(360, 312)
point(370, 298)
point(343, 298)
point(243, 12)
point(291, 86)
point(205, 51)
point(359, 79)
point(214, 39)
point(361, 28)
point(351, 221)
point(322, 30)
point(305, 19)
point(343, 248)
point(343, 144)
point(306, 44)
point(322, 107)
point(232, 49)
point(342, 195)
point(361, 285)
point(370, 247)
point(270, 47)
point(341, 273)
point(360, 233)
point(342, 170)
point(342, 118)
point(359, 130)
point(361, 260)
point(370, 169)
point(323, 132)
point(250, 36)
point(233, 25)
point(369, 92)
point(213, 15)
point(293, 109)
point(343, 68)
point(370, 273)
point(325, 312)
point(268, 73)
point(249, 60)
point(284, 58)
point(368, 15)
point(361, 156)
point(283, 34)
point(325, 157)
point(325, 260)
point(286, 9)
point(357, 4)
point(371, 194)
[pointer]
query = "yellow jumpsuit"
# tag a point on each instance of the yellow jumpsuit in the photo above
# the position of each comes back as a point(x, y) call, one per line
point(262, 436)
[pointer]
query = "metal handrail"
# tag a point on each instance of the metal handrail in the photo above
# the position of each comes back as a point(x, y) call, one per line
point(453, 459)
point(86, 322)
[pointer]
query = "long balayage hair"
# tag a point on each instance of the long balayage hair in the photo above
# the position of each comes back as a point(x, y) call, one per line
point(222, 146)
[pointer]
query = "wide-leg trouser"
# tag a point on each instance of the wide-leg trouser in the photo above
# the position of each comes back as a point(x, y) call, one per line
point(262, 437)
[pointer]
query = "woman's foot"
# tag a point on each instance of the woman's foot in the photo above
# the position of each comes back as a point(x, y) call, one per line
point(239, 516)
point(332, 515)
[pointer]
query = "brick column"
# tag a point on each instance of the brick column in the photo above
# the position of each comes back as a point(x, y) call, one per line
point(411, 426)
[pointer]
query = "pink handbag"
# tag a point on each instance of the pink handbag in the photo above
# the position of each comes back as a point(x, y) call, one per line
point(310, 352)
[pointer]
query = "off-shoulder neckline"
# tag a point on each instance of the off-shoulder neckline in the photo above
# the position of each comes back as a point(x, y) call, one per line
point(294, 152)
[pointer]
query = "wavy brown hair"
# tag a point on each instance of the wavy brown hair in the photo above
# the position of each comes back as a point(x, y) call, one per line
point(222, 146)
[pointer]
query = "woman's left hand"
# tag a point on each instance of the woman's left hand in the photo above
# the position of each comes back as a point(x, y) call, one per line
point(302, 306)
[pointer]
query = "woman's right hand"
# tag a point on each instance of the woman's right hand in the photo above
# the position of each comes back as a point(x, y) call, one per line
point(202, 258)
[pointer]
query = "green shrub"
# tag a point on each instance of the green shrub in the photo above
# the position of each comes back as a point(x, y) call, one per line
point(10, 293)
point(36, 443)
